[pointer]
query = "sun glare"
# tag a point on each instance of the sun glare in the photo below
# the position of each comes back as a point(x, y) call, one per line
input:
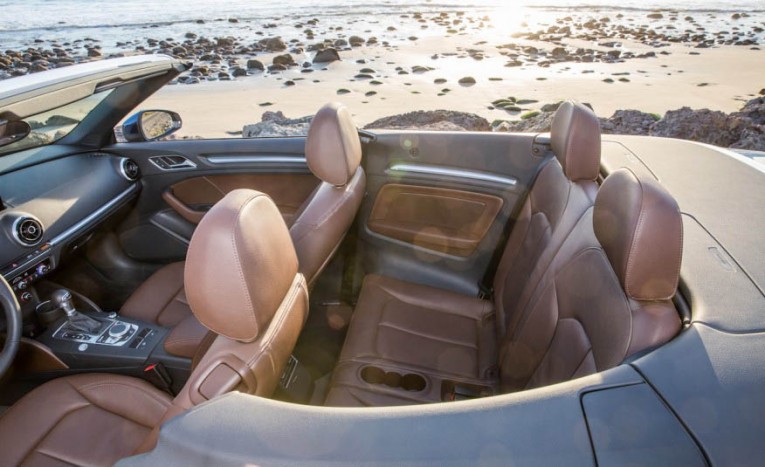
point(509, 18)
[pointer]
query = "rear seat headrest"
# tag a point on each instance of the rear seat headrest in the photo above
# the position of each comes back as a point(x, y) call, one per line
point(575, 136)
point(333, 146)
point(638, 224)
point(240, 265)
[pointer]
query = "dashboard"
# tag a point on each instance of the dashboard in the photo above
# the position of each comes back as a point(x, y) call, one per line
point(50, 209)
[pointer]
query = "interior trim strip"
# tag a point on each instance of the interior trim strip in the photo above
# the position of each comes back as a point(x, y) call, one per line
point(222, 160)
point(71, 231)
point(457, 173)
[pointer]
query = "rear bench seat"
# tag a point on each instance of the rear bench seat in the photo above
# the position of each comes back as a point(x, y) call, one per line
point(579, 288)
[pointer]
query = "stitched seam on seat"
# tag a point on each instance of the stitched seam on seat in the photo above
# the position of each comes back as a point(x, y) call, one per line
point(34, 448)
point(427, 336)
point(154, 397)
point(633, 240)
point(581, 362)
point(251, 316)
point(266, 344)
point(173, 297)
point(52, 456)
point(394, 296)
point(50, 430)
point(339, 203)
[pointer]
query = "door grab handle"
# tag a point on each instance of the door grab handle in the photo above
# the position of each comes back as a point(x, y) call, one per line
point(192, 215)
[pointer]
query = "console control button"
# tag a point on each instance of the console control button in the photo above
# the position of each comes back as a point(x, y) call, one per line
point(118, 329)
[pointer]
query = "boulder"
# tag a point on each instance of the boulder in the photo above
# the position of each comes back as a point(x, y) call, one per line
point(704, 125)
point(276, 124)
point(628, 122)
point(431, 119)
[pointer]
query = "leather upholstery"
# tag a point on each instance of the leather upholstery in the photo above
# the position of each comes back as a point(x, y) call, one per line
point(637, 223)
point(322, 223)
point(184, 338)
point(256, 269)
point(97, 419)
point(333, 147)
point(561, 310)
point(575, 135)
point(90, 419)
point(161, 299)
point(333, 151)
point(553, 207)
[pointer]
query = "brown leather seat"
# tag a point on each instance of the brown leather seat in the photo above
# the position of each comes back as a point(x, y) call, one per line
point(564, 189)
point(409, 328)
point(244, 288)
point(333, 153)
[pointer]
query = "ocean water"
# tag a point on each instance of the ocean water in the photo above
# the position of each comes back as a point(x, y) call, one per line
point(112, 21)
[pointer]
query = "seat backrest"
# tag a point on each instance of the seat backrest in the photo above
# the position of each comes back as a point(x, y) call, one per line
point(607, 292)
point(247, 290)
point(333, 153)
point(564, 189)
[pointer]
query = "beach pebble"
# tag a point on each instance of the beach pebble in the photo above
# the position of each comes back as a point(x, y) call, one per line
point(356, 41)
point(326, 56)
point(284, 60)
point(467, 81)
point(343, 91)
point(274, 44)
point(254, 64)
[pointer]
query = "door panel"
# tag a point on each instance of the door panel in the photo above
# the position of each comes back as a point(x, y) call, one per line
point(460, 190)
point(174, 199)
point(448, 221)
point(288, 191)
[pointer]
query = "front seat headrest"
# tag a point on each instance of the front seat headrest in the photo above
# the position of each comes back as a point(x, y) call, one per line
point(333, 146)
point(638, 224)
point(240, 265)
point(575, 139)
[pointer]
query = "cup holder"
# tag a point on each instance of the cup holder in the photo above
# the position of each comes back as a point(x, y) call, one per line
point(393, 379)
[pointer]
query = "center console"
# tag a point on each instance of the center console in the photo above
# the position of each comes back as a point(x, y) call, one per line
point(97, 341)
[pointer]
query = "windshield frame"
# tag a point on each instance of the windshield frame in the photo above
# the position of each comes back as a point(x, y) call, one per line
point(50, 126)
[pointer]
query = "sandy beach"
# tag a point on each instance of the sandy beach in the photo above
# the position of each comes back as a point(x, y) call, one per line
point(398, 57)
point(655, 85)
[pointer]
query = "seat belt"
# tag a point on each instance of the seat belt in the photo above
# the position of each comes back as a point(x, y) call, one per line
point(486, 284)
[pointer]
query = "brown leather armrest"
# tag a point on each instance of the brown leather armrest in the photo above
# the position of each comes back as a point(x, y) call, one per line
point(184, 339)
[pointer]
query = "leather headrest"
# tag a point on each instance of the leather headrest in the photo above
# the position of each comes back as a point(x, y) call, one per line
point(638, 224)
point(240, 265)
point(575, 136)
point(333, 147)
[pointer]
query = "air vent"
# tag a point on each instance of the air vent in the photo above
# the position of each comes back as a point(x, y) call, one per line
point(130, 169)
point(27, 231)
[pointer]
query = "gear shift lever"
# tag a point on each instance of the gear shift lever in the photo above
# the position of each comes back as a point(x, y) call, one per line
point(77, 321)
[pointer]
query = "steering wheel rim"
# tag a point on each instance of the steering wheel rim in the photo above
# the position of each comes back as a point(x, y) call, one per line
point(12, 311)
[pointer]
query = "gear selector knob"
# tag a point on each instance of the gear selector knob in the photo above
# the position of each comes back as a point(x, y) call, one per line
point(63, 299)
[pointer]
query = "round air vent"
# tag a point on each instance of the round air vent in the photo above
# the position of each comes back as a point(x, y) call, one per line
point(130, 169)
point(27, 231)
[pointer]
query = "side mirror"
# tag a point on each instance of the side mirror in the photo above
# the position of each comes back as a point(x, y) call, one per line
point(12, 131)
point(150, 125)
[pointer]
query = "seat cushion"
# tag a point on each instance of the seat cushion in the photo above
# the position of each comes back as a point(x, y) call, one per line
point(161, 299)
point(90, 419)
point(410, 328)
